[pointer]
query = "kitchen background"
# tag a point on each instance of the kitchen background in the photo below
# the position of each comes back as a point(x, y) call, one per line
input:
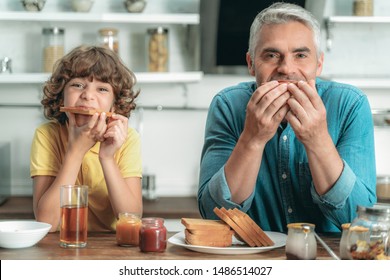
point(172, 108)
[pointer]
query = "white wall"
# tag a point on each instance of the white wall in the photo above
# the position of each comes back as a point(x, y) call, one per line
point(172, 139)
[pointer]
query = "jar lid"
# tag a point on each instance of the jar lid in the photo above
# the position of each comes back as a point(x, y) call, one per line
point(346, 226)
point(303, 226)
point(358, 229)
point(53, 30)
point(108, 31)
point(158, 30)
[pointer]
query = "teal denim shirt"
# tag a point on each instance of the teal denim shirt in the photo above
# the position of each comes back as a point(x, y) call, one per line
point(284, 191)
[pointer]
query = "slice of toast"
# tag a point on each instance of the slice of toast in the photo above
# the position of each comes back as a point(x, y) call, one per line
point(201, 232)
point(223, 215)
point(204, 224)
point(83, 111)
point(212, 239)
point(257, 232)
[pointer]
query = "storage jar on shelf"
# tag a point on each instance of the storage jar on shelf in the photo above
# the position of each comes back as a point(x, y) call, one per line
point(53, 47)
point(108, 37)
point(158, 49)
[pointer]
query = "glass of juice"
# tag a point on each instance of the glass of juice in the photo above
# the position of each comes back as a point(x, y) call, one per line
point(74, 216)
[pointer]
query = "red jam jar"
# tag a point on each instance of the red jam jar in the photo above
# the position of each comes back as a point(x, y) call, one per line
point(153, 235)
point(127, 229)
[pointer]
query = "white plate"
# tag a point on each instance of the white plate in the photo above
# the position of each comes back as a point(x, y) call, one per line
point(237, 248)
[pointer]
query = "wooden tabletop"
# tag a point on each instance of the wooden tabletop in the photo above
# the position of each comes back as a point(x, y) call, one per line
point(102, 246)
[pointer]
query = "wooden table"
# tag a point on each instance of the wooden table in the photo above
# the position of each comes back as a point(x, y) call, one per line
point(102, 246)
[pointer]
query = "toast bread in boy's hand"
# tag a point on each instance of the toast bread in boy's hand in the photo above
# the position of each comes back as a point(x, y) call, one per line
point(83, 111)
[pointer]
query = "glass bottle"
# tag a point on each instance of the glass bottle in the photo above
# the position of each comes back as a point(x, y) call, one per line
point(344, 250)
point(53, 47)
point(127, 229)
point(301, 243)
point(153, 235)
point(108, 37)
point(369, 234)
point(158, 49)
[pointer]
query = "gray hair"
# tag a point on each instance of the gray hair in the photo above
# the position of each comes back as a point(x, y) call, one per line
point(279, 13)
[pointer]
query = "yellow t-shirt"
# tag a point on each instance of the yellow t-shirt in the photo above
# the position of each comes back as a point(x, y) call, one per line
point(48, 151)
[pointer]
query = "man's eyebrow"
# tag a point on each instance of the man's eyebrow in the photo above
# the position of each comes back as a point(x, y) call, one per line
point(302, 49)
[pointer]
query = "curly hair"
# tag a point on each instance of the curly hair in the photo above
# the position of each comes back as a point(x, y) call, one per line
point(90, 62)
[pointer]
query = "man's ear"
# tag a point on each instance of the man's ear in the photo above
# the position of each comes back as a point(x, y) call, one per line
point(320, 63)
point(249, 62)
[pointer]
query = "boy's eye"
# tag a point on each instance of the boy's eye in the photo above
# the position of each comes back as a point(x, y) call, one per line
point(78, 85)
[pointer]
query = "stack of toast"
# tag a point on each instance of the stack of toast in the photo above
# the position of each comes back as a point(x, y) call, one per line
point(219, 233)
point(244, 227)
point(211, 233)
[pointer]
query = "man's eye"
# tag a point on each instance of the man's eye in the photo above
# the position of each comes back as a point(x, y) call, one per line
point(271, 56)
point(301, 55)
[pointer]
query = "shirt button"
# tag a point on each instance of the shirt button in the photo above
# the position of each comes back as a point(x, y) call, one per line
point(285, 138)
point(289, 210)
point(85, 168)
point(284, 176)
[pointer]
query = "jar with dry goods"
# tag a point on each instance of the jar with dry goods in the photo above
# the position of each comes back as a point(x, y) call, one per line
point(158, 49)
point(53, 47)
point(108, 37)
point(344, 250)
point(127, 229)
point(369, 234)
point(301, 243)
point(362, 7)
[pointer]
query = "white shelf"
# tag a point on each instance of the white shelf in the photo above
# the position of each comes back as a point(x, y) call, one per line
point(366, 83)
point(356, 19)
point(142, 77)
point(104, 17)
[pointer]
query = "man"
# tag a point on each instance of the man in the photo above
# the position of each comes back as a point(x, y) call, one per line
point(289, 147)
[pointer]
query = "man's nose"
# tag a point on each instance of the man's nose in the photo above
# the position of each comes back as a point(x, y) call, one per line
point(286, 65)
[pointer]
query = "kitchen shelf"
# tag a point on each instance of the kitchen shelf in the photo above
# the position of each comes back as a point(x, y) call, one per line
point(142, 77)
point(332, 20)
point(143, 18)
point(367, 83)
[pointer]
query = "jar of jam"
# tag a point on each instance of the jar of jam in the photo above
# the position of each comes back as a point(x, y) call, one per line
point(369, 234)
point(153, 235)
point(127, 229)
point(344, 250)
point(301, 243)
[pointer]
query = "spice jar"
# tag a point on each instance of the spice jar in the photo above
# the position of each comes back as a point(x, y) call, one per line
point(301, 243)
point(344, 250)
point(369, 234)
point(108, 37)
point(127, 229)
point(158, 49)
point(362, 7)
point(153, 235)
point(53, 47)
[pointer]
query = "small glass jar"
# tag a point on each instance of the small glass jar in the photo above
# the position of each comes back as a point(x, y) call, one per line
point(158, 49)
point(153, 235)
point(344, 250)
point(53, 47)
point(108, 37)
point(362, 8)
point(369, 234)
point(301, 243)
point(127, 229)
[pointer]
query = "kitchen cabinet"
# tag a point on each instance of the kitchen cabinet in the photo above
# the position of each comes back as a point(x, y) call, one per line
point(21, 36)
